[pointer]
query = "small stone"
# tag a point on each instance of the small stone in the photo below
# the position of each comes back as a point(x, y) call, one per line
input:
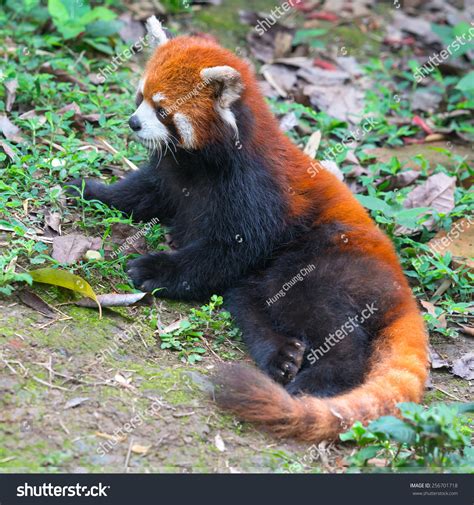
point(91, 255)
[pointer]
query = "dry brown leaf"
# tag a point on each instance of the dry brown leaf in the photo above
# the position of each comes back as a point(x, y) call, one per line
point(288, 121)
point(68, 249)
point(131, 29)
point(436, 192)
point(78, 118)
point(75, 402)
point(35, 302)
point(417, 26)
point(431, 309)
point(425, 100)
point(379, 462)
point(10, 90)
point(437, 361)
point(349, 64)
point(331, 166)
point(52, 222)
point(267, 46)
point(123, 380)
point(324, 78)
point(468, 330)
point(464, 366)
point(130, 239)
point(280, 77)
point(8, 150)
point(344, 102)
point(62, 75)
point(33, 114)
point(401, 180)
point(219, 443)
point(171, 327)
point(10, 130)
point(117, 300)
point(312, 146)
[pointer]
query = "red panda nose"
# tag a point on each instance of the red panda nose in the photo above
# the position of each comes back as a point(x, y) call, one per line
point(134, 123)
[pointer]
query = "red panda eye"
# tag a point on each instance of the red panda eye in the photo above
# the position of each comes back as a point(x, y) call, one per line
point(160, 112)
point(139, 98)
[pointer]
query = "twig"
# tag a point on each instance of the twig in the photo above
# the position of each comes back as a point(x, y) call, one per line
point(127, 459)
point(64, 427)
point(49, 142)
point(210, 349)
point(59, 319)
point(6, 460)
point(112, 150)
point(50, 369)
point(145, 345)
point(454, 397)
point(41, 381)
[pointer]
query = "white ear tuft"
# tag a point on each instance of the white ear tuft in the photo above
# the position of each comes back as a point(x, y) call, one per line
point(155, 31)
point(230, 81)
point(185, 129)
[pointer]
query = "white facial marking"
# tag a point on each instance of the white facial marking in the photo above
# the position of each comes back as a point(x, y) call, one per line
point(185, 129)
point(158, 97)
point(232, 89)
point(155, 31)
point(151, 128)
point(141, 86)
point(228, 116)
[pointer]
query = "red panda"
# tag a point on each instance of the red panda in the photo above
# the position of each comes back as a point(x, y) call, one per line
point(316, 288)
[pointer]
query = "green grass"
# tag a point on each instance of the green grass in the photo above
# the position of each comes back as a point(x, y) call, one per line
point(40, 169)
point(56, 149)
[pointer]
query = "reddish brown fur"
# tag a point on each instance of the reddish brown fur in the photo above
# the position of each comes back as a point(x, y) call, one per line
point(398, 369)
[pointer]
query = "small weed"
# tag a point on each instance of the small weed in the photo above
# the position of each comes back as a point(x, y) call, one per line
point(191, 338)
point(436, 438)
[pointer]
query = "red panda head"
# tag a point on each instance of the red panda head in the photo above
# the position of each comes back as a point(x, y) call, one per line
point(187, 91)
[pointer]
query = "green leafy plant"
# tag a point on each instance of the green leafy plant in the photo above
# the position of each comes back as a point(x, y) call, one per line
point(176, 6)
point(393, 214)
point(309, 36)
point(208, 321)
point(73, 17)
point(466, 83)
point(438, 438)
point(449, 33)
point(9, 275)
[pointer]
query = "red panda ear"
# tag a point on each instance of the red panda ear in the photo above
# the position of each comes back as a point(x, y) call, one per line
point(229, 83)
point(157, 35)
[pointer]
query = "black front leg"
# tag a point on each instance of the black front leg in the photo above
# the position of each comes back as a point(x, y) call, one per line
point(192, 273)
point(142, 194)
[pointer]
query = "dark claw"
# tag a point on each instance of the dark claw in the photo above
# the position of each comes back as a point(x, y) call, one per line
point(287, 361)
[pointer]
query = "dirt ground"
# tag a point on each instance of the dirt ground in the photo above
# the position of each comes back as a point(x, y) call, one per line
point(66, 408)
point(141, 410)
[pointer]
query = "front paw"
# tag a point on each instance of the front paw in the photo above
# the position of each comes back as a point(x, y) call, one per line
point(287, 361)
point(82, 187)
point(150, 272)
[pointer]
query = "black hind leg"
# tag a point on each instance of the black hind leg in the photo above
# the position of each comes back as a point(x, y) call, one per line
point(337, 371)
point(279, 356)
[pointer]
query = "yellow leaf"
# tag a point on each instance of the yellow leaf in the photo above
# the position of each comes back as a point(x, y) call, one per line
point(67, 280)
point(114, 438)
point(140, 449)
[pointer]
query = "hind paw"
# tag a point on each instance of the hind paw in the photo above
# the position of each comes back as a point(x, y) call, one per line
point(287, 361)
